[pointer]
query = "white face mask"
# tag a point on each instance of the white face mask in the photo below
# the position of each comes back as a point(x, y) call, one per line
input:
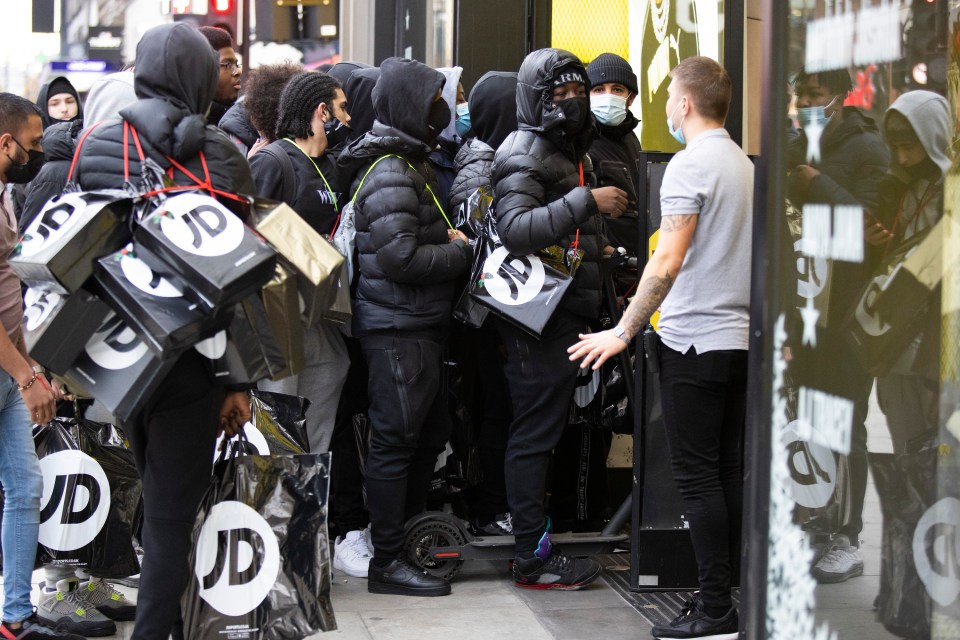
point(608, 109)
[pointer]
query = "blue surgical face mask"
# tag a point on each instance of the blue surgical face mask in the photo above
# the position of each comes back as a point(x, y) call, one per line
point(678, 132)
point(608, 109)
point(814, 115)
point(463, 119)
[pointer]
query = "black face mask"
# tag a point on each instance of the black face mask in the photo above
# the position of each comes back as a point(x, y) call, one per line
point(438, 118)
point(23, 173)
point(337, 133)
point(577, 112)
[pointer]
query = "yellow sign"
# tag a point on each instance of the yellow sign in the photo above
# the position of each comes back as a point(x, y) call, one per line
point(588, 28)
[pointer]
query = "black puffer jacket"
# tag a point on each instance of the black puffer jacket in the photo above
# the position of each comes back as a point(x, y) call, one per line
point(616, 162)
point(407, 265)
point(536, 193)
point(493, 114)
point(235, 123)
point(59, 142)
point(168, 117)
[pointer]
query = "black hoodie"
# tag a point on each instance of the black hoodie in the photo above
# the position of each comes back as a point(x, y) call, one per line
point(615, 154)
point(407, 265)
point(175, 80)
point(535, 182)
point(63, 86)
point(493, 115)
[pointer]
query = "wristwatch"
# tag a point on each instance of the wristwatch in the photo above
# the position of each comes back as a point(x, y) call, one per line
point(620, 333)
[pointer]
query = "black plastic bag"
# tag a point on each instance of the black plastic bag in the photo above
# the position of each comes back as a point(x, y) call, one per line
point(278, 426)
point(91, 490)
point(523, 290)
point(261, 552)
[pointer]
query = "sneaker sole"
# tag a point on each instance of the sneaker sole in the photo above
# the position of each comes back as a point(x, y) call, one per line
point(833, 578)
point(88, 629)
point(124, 613)
point(399, 590)
point(557, 586)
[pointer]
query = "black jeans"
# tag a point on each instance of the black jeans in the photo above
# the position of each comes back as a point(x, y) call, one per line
point(541, 379)
point(409, 427)
point(704, 408)
point(173, 443)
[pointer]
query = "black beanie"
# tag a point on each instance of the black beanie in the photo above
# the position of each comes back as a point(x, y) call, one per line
point(300, 97)
point(571, 72)
point(609, 67)
point(61, 85)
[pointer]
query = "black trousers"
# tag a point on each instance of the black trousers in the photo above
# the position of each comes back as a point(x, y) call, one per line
point(409, 427)
point(704, 409)
point(541, 379)
point(173, 442)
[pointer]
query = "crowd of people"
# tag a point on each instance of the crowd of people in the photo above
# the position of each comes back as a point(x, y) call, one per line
point(554, 144)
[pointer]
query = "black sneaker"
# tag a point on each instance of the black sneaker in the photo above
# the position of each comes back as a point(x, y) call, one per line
point(500, 525)
point(693, 622)
point(33, 629)
point(556, 572)
point(400, 578)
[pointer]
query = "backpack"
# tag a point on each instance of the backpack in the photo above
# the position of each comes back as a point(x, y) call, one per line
point(286, 167)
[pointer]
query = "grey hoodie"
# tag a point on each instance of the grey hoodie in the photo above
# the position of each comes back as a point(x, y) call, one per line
point(108, 96)
point(929, 115)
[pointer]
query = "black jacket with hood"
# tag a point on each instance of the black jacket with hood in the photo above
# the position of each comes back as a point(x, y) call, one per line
point(535, 180)
point(493, 116)
point(615, 154)
point(59, 142)
point(407, 266)
point(235, 123)
point(175, 80)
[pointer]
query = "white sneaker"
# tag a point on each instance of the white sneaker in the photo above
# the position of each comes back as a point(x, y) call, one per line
point(840, 563)
point(351, 555)
point(368, 539)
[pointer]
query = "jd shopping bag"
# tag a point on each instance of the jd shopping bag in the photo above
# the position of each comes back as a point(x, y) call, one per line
point(260, 558)
point(90, 493)
point(523, 290)
point(278, 425)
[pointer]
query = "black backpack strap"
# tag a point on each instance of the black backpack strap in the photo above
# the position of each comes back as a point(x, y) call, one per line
point(286, 166)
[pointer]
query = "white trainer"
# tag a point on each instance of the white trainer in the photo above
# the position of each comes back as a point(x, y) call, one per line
point(351, 555)
point(840, 563)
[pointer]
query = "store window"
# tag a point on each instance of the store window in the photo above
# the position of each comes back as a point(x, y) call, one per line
point(863, 322)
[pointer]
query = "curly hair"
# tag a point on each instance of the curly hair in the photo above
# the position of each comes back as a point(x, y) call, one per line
point(261, 89)
point(300, 98)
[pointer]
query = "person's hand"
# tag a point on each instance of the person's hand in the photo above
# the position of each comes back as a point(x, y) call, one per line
point(40, 400)
point(596, 348)
point(874, 232)
point(57, 391)
point(455, 234)
point(259, 144)
point(805, 174)
point(611, 201)
point(234, 413)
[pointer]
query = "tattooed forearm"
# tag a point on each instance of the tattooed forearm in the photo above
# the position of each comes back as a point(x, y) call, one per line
point(649, 297)
point(675, 223)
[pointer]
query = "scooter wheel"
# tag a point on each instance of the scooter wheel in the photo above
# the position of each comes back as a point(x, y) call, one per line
point(431, 534)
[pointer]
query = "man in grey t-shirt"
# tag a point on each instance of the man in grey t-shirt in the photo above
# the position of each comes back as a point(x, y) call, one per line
point(700, 274)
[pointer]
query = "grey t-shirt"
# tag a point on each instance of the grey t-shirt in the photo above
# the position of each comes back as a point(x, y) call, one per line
point(708, 306)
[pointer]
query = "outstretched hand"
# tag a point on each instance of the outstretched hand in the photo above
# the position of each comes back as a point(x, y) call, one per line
point(234, 413)
point(596, 348)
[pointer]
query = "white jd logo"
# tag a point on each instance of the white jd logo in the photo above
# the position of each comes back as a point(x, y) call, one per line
point(588, 383)
point(238, 558)
point(811, 272)
point(866, 311)
point(54, 220)
point(39, 304)
point(512, 280)
point(813, 470)
point(140, 275)
point(254, 436)
point(200, 225)
point(115, 346)
point(75, 502)
point(936, 550)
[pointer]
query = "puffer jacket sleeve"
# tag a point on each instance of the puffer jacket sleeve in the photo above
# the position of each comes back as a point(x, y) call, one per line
point(391, 204)
point(524, 222)
point(228, 167)
point(48, 184)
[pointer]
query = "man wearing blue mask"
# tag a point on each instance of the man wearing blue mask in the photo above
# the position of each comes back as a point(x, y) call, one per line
point(616, 151)
point(699, 278)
